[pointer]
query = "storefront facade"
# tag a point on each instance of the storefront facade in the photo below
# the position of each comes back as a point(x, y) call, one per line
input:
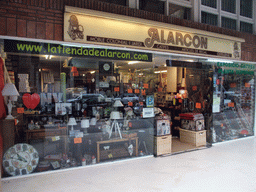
point(99, 95)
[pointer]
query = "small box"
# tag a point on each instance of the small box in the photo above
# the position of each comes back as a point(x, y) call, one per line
point(162, 145)
point(197, 138)
point(163, 127)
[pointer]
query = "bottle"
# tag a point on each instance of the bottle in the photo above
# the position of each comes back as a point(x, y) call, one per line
point(83, 161)
point(93, 159)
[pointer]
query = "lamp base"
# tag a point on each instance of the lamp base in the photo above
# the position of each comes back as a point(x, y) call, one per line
point(9, 117)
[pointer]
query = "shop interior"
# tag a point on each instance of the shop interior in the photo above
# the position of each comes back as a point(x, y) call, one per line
point(80, 111)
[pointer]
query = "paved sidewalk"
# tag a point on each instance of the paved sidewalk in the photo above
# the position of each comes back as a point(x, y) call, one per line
point(229, 166)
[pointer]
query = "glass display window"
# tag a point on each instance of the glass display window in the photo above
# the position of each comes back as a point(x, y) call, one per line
point(77, 110)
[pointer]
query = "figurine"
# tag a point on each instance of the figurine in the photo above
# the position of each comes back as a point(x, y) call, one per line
point(31, 125)
point(37, 126)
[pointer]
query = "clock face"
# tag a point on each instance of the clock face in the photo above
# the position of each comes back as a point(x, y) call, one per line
point(106, 66)
point(20, 159)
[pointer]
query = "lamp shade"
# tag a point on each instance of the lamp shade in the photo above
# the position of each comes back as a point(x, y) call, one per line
point(10, 90)
point(115, 115)
point(118, 103)
point(72, 121)
point(85, 123)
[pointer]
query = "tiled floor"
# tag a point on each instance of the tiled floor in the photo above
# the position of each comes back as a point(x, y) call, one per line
point(229, 166)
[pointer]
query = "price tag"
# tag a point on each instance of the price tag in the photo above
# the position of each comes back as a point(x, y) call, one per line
point(129, 90)
point(143, 92)
point(145, 85)
point(116, 89)
point(78, 140)
point(180, 100)
point(136, 91)
point(20, 110)
point(247, 85)
point(231, 104)
point(198, 105)
point(130, 103)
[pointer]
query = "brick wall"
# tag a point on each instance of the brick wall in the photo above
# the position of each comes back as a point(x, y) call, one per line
point(43, 19)
point(38, 19)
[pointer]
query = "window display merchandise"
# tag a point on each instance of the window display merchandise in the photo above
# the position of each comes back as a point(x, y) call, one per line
point(79, 111)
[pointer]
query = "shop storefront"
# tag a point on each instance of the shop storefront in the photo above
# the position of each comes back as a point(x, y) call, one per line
point(119, 88)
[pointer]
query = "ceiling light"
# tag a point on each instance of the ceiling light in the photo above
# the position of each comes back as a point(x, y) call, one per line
point(132, 62)
point(163, 71)
point(218, 60)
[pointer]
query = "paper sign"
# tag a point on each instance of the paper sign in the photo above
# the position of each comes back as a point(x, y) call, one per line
point(56, 138)
point(116, 89)
point(148, 112)
point(231, 104)
point(145, 85)
point(78, 140)
point(136, 91)
point(198, 105)
point(129, 90)
point(150, 100)
point(20, 110)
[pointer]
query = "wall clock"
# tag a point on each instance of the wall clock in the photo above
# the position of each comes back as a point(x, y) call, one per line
point(20, 159)
point(106, 66)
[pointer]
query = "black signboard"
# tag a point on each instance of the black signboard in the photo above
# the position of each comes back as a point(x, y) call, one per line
point(30, 47)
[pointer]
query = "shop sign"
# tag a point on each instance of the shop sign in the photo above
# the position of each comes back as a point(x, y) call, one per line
point(95, 28)
point(30, 47)
point(236, 68)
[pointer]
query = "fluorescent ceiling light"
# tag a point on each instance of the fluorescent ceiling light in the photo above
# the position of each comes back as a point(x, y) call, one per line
point(132, 62)
point(163, 71)
point(219, 60)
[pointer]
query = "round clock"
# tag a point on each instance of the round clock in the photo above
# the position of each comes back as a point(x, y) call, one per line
point(106, 66)
point(20, 159)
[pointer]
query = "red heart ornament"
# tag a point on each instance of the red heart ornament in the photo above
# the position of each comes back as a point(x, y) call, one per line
point(31, 101)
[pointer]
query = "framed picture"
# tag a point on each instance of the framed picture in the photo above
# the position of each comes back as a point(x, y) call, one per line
point(63, 108)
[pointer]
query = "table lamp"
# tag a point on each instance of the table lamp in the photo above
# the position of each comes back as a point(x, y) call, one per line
point(85, 124)
point(118, 103)
point(72, 122)
point(114, 115)
point(11, 91)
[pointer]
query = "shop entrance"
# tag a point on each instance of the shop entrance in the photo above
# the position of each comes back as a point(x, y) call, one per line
point(189, 104)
